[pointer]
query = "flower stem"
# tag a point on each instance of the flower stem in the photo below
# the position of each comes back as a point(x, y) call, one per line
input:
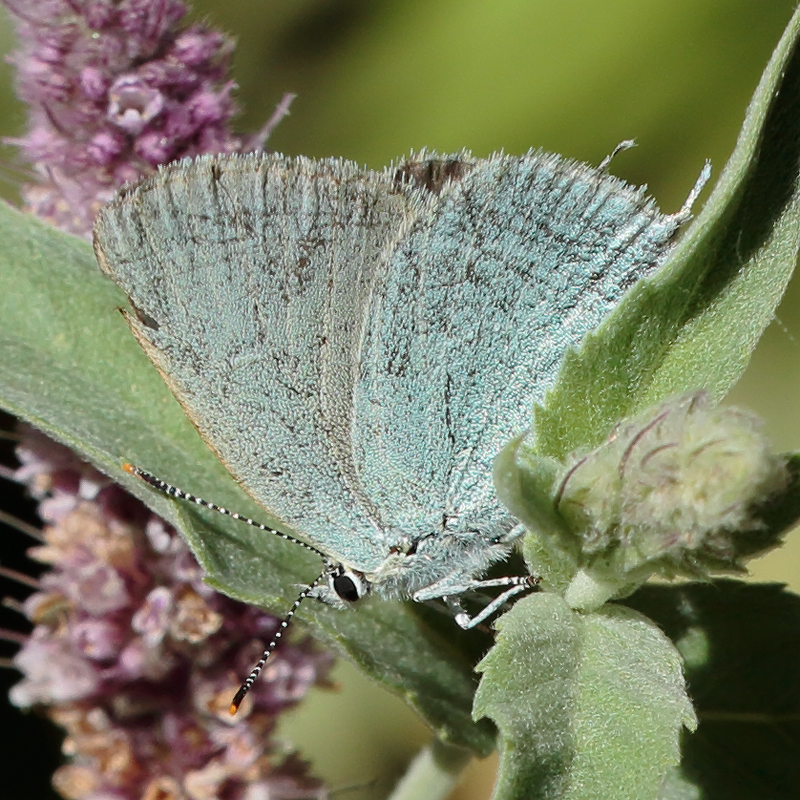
point(433, 773)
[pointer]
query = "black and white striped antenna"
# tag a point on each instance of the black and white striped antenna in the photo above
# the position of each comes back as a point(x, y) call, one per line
point(173, 491)
point(254, 673)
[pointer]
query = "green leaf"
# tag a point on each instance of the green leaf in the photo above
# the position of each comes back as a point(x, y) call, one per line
point(588, 706)
point(69, 366)
point(695, 323)
point(676, 787)
point(741, 647)
point(524, 484)
point(776, 516)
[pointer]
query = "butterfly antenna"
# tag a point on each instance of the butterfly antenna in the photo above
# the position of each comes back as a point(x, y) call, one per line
point(173, 491)
point(251, 678)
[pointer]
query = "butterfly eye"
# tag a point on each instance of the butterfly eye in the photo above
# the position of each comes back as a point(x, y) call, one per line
point(349, 586)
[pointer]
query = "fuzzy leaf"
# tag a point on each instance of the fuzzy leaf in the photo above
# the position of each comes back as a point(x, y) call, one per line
point(69, 366)
point(695, 323)
point(741, 647)
point(588, 706)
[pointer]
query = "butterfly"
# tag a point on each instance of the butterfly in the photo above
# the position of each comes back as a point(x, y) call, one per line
point(356, 346)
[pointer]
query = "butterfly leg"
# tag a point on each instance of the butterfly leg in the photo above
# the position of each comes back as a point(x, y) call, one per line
point(515, 585)
point(520, 584)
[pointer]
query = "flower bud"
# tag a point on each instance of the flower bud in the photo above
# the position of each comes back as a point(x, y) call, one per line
point(674, 490)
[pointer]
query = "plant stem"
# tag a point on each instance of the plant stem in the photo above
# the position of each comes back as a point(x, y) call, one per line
point(433, 773)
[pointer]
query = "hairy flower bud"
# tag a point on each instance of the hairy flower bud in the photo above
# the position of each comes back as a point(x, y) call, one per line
point(672, 491)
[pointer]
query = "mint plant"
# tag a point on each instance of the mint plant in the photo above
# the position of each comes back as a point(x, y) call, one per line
point(631, 468)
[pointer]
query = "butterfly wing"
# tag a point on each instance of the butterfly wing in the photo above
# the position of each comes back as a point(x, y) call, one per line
point(358, 346)
point(249, 277)
point(520, 258)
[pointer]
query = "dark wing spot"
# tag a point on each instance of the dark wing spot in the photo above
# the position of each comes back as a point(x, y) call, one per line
point(432, 174)
point(144, 318)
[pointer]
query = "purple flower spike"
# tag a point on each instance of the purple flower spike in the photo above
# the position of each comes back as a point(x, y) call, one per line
point(133, 104)
point(114, 88)
point(131, 653)
point(138, 659)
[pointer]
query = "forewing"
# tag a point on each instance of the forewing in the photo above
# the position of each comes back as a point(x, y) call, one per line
point(249, 277)
point(520, 258)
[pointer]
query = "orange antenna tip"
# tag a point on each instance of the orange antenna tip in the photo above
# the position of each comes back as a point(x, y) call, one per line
point(238, 697)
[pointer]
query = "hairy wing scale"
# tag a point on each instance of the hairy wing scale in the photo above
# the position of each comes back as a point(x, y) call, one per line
point(357, 351)
point(256, 271)
point(519, 259)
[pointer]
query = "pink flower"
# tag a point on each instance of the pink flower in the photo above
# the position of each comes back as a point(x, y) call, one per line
point(114, 88)
point(131, 653)
point(54, 672)
point(138, 659)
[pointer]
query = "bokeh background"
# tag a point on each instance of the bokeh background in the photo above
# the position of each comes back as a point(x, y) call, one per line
point(376, 78)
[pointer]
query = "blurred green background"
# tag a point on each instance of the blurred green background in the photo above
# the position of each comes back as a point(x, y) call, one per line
point(376, 78)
